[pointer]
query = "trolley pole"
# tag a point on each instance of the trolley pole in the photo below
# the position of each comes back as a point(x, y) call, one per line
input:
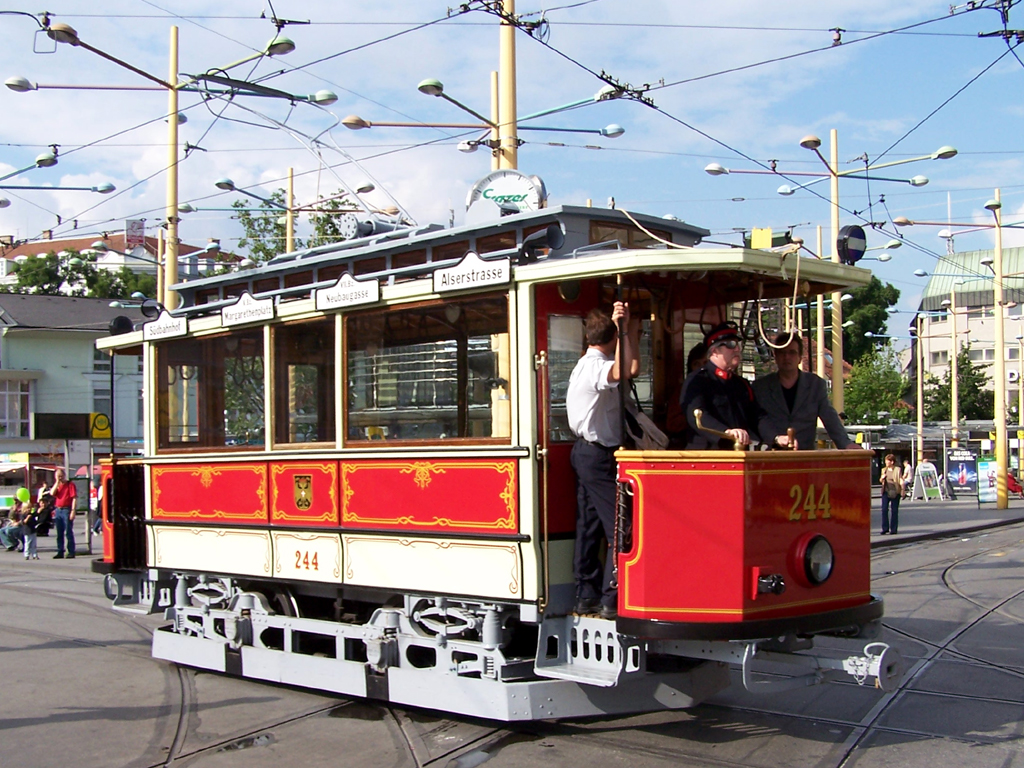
point(289, 236)
point(170, 298)
point(837, 303)
point(508, 151)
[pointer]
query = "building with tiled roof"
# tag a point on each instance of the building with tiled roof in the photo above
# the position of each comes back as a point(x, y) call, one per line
point(192, 260)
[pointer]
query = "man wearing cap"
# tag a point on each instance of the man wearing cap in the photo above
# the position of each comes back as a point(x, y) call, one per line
point(592, 407)
point(725, 398)
point(797, 399)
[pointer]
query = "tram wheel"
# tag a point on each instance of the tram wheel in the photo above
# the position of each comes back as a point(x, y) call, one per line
point(282, 600)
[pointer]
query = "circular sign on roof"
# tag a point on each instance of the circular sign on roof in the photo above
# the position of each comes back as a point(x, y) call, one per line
point(851, 243)
point(510, 190)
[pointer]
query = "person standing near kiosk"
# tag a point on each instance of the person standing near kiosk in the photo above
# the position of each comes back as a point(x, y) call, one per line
point(65, 497)
point(592, 406)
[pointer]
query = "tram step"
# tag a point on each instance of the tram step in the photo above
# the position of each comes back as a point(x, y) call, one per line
point(583, 649)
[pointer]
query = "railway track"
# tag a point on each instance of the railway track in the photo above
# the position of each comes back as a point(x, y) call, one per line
point(973, 580)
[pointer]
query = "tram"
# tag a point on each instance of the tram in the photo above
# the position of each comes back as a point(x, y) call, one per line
point(356, 478)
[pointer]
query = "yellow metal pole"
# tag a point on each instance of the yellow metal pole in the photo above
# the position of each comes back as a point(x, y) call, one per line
point(1020, 405)
point(820, 362)
point(954, 384)
point(160, 265)
point(495, 118)
point(999, 372)
point(170, 298)
point(837, 304)
point(289, 228)
point(508, 135)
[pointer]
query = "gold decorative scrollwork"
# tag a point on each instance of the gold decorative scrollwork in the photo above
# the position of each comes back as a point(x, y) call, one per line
point(423, 470)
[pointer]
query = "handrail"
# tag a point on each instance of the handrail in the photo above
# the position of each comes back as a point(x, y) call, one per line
point(542, 454)
point(698, 413)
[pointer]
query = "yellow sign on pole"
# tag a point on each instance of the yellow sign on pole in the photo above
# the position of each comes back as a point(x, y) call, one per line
point(761, 238)
point(99, 426)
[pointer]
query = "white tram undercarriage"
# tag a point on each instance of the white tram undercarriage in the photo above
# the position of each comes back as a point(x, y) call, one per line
point(466, 657)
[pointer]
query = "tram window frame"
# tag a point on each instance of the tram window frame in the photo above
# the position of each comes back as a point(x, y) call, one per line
point(206, 357)
point(286, 355)
point(629, 236)
point(479, 399)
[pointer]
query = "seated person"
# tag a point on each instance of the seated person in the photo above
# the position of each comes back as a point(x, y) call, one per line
point(12, 535)
point(1013, 485)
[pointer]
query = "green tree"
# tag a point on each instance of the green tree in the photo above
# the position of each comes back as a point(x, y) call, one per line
point(867, 311)
point(264, 228)
point(875, 385)
point(327, 221)
point(52, 275)
point(121, 284)
point(974, 399)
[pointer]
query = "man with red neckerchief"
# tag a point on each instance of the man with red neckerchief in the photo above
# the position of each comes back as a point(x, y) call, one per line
point(725, 398)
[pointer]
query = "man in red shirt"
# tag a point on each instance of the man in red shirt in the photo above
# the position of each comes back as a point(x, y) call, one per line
point(64, 499)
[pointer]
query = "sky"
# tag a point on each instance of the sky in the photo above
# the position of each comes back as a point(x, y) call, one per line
point(738, 82)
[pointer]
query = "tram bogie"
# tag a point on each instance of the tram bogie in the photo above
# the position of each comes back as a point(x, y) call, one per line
point(356, 479)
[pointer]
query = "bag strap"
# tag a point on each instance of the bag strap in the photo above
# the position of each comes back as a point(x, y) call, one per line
point(636, 396)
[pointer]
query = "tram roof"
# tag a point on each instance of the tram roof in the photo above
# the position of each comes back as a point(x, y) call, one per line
point(386, 258)
point(717, 274)
point(575, 221)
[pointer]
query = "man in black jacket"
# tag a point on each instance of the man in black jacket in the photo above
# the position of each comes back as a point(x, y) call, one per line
point(725, 398)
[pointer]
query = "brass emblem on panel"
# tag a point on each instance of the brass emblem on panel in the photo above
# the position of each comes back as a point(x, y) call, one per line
point(303, 491)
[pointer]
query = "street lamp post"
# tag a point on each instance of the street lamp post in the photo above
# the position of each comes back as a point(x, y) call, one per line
point(916, 335)
point(170, 298)
point(813, 143)
point(508, 137)
point(64, 33)
point(1002, 502)
point(999, 310)
point(954, 383)
point(1020, 401)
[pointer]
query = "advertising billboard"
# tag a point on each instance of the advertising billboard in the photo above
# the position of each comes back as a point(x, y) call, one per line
point(962, 471)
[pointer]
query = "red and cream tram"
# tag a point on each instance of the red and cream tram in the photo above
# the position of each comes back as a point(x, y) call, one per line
point(356, 478)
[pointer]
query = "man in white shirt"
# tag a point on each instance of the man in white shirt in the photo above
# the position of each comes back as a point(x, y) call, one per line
point(592, 406)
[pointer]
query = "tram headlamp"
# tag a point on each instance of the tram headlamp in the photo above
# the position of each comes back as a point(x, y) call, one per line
point(818, 560)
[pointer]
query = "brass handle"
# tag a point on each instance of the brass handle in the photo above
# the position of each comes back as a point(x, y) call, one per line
point(698, 413)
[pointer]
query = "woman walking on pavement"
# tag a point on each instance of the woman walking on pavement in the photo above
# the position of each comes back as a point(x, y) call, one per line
point(892, 490)
point(64, 499)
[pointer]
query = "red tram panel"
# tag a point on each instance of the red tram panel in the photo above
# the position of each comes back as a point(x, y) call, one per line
point(304, 493)
point(226, 493)
point(707, 525)
point(458, 495)
point(107, 514)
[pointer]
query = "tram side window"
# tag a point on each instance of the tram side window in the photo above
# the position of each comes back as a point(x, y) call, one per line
point(430, 372)
point(627, 235)
point(210, 391)
point(304, 382)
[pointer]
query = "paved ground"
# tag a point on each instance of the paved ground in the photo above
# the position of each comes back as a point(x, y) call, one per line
point(79, 687)
point(926, 519)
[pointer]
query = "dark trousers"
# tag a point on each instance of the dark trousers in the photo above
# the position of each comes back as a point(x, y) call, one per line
point(595, 520)
point(890, 526)
point(65, 525)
